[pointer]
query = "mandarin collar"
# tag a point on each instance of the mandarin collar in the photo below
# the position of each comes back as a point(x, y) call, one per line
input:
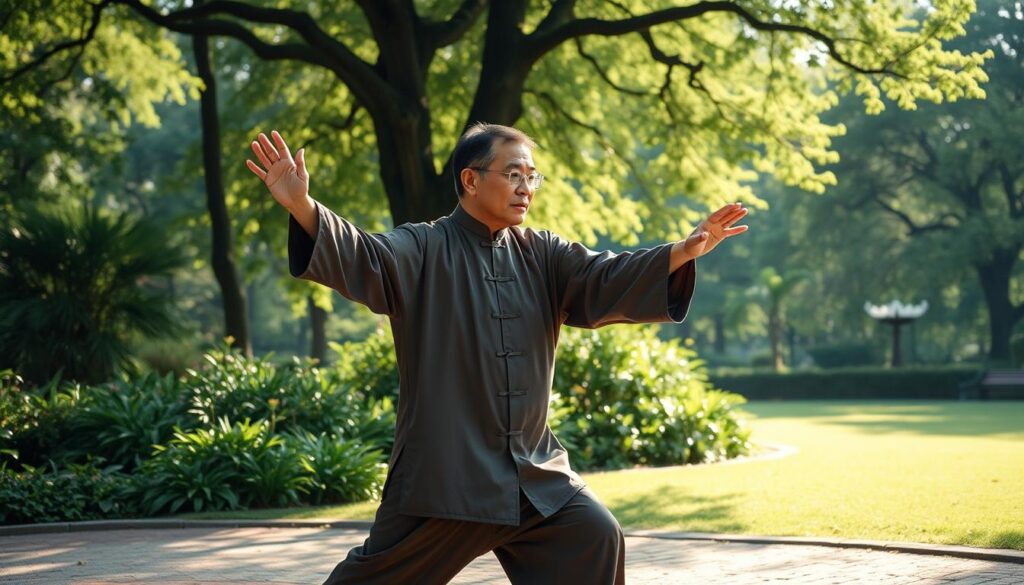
point(475, 226)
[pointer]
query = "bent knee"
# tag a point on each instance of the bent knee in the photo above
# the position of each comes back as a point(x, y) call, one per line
point(598, 521)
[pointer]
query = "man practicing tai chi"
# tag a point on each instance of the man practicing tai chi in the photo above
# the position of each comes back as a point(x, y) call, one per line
point(475, 305)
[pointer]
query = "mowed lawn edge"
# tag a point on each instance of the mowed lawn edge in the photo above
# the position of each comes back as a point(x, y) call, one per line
point(915, 471)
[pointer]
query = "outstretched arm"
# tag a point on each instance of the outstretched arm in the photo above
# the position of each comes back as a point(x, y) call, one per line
point(286, 178)
point(377, 270)
point(708, 234)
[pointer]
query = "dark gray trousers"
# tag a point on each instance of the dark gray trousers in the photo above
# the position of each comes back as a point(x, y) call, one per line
point(581, 543)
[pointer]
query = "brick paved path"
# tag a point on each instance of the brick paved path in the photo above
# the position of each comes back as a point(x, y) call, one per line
point(307, 555)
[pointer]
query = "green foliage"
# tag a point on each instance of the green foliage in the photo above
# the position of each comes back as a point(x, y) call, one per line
point(370, 365)
point(50, 494)
point(295, 395)
point(122, 421)
point(224, 466)
point(341, 470)
point(623, 397)
point(762, 358)
point(35, 423)
point(838, 355)
point(726, 101)
point(273, 475)
point(928, 206)
point(73, 286)
point(245, 465)
point(64, 119)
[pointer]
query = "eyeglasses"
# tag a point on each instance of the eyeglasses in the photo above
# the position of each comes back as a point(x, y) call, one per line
point(533, 180)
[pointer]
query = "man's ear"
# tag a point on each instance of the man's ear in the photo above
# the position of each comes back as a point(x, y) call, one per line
point(468, 178)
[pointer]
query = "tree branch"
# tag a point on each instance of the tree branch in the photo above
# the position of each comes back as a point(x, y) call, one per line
point(561, 12)
point(597, 67)
point(97, 10)
point(674, 60)
point(344, 125)
point(320, 48)
point(553, 103)
point(986, 173)
point(441, 34)
point(544, 40)
point(913, 228)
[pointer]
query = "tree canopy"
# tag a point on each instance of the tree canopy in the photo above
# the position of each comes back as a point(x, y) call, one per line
point(636, 105)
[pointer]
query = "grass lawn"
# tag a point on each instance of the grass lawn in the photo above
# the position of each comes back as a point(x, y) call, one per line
point(937, 472)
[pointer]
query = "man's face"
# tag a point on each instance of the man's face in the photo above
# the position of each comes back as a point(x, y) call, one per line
point(490, 198)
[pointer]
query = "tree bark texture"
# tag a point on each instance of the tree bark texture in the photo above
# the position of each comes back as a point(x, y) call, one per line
point(222, 258)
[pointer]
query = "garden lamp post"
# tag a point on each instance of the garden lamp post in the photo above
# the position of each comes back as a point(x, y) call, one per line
point(896, 314)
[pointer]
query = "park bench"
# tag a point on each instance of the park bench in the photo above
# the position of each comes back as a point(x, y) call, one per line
point(994, 385)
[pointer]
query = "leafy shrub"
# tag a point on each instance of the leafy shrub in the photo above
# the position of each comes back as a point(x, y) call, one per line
point(225, 466)
point(370, 421)
point(35, 422)
point(293, 395)
point(124, 420)
point(190, 441)
point(230, 385)
point(623, 397)
point(50, 494)
point(369, 366)
point(273, 475)
point(340, 470)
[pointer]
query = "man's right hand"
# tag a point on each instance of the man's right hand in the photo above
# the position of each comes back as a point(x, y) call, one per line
point(286, 178)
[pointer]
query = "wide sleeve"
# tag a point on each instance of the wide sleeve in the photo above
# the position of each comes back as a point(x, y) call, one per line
point(375, 269)
point(594, 289)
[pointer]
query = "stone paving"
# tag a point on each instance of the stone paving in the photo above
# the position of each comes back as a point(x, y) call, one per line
point(306, 555)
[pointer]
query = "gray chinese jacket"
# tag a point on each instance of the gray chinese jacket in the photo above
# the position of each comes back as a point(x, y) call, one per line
point(475, 323)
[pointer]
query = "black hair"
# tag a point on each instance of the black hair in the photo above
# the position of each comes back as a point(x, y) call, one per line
point(475, 148)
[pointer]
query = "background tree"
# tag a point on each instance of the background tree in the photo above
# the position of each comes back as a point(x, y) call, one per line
point(236, 324)
point(71, 83)
point(772, 291)
point(729, 81)
point(951, 176)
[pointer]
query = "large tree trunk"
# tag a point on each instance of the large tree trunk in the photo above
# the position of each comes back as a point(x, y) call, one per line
point(994, 277)
point(416, 189)
point(235, 323)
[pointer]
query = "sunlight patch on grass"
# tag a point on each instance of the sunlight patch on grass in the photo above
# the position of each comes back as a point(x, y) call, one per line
point(948, 473)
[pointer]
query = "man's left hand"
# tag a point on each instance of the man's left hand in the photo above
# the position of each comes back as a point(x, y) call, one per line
point(713, 230)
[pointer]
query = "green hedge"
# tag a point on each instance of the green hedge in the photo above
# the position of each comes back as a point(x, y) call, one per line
point(622, 397)
point(865, 383)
